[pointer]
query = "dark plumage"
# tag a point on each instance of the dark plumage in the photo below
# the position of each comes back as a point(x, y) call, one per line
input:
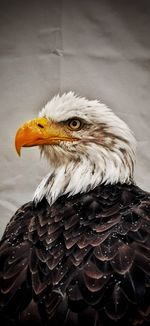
point(84, 260)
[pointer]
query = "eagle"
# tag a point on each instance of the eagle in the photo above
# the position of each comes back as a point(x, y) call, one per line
point(79, 252)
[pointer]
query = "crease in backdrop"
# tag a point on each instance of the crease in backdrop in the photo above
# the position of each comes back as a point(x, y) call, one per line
point(99, 49)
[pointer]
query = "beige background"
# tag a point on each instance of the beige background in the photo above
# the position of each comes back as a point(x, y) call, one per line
point(98, 48)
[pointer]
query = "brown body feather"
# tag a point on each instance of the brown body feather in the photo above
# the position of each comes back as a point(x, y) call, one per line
point(85, 259)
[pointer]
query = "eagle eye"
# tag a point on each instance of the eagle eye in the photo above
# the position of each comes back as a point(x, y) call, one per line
point(74, 124)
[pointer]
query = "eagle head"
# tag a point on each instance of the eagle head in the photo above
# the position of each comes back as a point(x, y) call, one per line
point(85, 143)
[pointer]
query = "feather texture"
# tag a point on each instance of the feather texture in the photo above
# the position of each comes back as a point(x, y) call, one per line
point(85, 259)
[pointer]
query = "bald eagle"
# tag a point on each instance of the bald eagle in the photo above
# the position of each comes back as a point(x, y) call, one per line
point(79, 252)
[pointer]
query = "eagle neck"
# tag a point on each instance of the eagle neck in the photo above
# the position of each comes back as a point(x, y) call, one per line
point(82, 176)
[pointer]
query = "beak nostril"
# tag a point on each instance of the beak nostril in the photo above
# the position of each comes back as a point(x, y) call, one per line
point(39, 125)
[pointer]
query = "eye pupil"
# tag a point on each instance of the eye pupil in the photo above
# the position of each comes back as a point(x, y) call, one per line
point(74, 124)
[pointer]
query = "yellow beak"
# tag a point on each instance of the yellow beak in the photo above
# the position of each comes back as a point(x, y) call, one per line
point(41, 131)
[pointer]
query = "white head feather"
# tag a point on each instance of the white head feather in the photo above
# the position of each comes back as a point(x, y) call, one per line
point(105, 153)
